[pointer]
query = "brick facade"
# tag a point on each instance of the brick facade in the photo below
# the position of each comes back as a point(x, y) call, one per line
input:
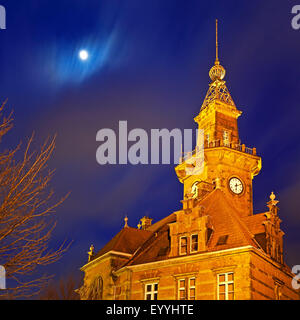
point(215, 247)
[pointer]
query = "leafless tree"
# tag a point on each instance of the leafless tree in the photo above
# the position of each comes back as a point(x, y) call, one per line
point(26, 214)
point(92, 292)
point(64, 289)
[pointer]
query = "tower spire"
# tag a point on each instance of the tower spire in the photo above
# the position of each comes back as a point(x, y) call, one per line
point(217, 72)
point(217, 44)
point(126, 222)
point(217, 88)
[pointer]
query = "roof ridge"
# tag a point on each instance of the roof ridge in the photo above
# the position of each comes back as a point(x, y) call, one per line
point(117, 240)
point(234, 215)
point(128, 228)
point(257, 214)
point(144, 247)
point(244, 227)
point(208, 195)
point(140, 250)
point(159, 221)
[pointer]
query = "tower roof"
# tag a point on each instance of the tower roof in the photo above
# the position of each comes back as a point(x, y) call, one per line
point(217, 89)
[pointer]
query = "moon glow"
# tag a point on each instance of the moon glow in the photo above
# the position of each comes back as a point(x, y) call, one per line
point(83, 55)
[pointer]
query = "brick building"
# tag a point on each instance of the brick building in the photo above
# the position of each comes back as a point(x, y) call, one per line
point(215, 247)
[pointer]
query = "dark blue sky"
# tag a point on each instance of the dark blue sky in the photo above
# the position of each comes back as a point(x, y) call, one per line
point(149, 65)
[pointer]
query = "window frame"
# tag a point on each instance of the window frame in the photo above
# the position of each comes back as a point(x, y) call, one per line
point(187, 288)
point(152, 292)
point(226, 141)
point(180, 246)
point(226, 282)
point(191, 243)
point(191, 287)
point(207, 138)
point(179, 289)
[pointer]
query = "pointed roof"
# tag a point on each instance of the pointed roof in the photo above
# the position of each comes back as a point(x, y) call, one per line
point(230, 230)
point(217, 89)
point(225, 219)
point(128, 240)
point(157, 246)
point(255, 222)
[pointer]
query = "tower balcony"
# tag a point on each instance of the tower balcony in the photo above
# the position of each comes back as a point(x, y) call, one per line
point(217, 144)
point(231, 145)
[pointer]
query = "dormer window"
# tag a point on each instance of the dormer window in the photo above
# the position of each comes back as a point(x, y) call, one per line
point(188, 244)
point(194, 243)
point(183, 245)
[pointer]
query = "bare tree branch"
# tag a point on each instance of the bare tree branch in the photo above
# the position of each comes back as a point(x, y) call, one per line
point(27, 213)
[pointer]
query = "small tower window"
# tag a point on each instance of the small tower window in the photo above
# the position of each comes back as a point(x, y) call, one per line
point(194, 243)
point(207, 137)
point(226, 137)
point(183, 245)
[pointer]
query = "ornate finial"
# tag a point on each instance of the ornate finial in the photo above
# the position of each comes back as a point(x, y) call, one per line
point(272, 203)
point(272, 196)
point(217, 88)
point(126, 222)
point(217, 45)
point(217, 72)
point(91, 252)
point(139, 226)
point(146, 222)
point(218, 183)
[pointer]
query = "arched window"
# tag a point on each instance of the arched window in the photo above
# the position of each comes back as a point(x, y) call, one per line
point(96, 289)
point(2, 278)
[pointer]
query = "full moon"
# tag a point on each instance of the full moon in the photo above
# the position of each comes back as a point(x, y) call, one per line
point(83, 55)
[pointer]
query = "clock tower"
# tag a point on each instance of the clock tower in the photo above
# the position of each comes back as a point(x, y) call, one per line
point(214, 247)
point(228, 164)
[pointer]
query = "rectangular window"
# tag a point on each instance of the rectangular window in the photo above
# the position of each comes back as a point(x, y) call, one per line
point(207, 138)
point(183, 245)
point(226, 286)
point(226, 137)
point(194, 243)
point(181, 289)
point(222, 240)
point(192, 288)
point(151, 290)
point(187, 289)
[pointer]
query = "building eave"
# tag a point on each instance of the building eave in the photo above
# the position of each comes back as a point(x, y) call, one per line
point(189, 258)
point(104, 256)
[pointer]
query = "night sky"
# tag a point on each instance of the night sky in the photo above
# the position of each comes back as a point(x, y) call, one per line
point(148, 64)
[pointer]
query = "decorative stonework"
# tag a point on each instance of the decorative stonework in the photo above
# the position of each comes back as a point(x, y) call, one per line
point(190, 221)
point(216, 228)
point(274, 235)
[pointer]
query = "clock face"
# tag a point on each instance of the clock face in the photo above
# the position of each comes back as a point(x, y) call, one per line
point(236, 185)
point(194, 189)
